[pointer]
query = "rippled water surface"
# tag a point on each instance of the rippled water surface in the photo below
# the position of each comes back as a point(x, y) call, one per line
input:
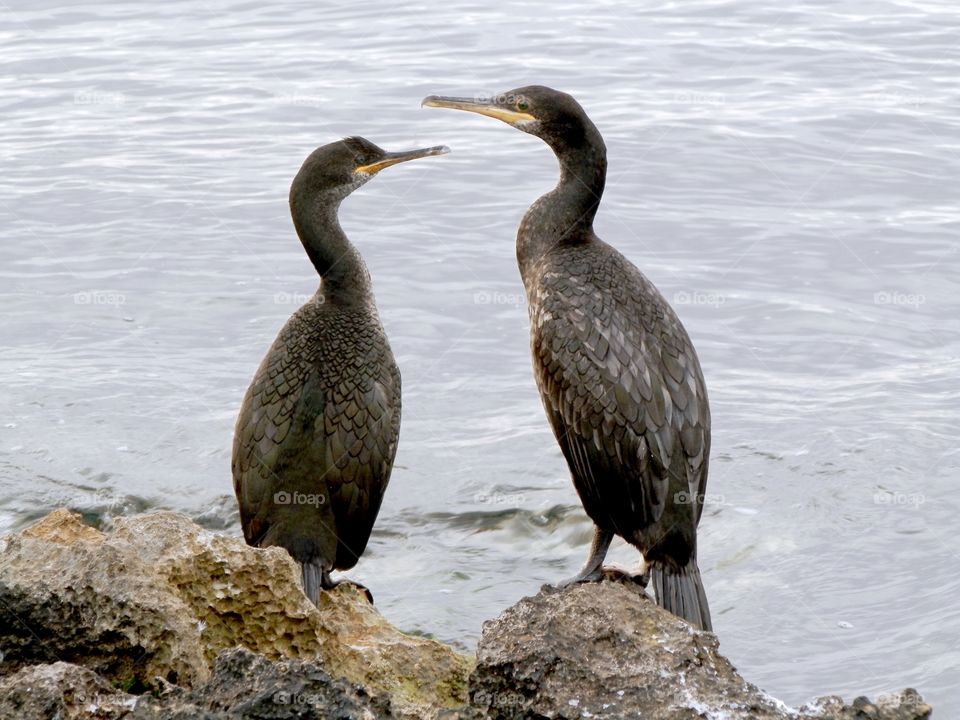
point(785, 172)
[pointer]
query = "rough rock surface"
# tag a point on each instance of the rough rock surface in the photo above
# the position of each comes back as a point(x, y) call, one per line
point(245, 686)
point(68, 592)
point(159, 597)
point(906, 705)
point(63, 691)
point(643, 663)
point(216, 630)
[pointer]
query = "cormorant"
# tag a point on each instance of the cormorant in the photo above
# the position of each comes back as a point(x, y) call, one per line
point(617, 373)
point(317, 432)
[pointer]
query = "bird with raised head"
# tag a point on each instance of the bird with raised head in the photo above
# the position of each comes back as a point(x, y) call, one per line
point(317, 432)
point(617, 372)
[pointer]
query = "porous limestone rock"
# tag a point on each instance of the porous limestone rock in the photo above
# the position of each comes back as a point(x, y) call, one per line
point(245, 686)
point(216, 630)
point(70, 593)
point(159, 597)
point(63, 691)
point(605, 650)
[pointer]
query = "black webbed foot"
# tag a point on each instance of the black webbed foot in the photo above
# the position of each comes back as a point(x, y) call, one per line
point(593, 569)
point(584, 576)
point(329, 584)
point(622, 575)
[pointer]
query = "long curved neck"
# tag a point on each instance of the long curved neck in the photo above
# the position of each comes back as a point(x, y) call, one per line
point(342, 270)
point(565, 214)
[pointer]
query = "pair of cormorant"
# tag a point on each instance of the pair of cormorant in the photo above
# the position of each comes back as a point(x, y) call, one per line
point(617, 373)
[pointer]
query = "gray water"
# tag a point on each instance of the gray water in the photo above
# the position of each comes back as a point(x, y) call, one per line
point(786, 173)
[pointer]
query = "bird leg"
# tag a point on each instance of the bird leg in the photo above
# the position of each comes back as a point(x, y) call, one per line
point(593, 569)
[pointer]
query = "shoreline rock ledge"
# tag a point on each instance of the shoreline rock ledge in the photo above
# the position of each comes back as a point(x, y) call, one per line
point(159, 619)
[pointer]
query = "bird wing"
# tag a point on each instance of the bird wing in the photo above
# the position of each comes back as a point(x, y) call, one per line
point(323, 419)
point(361, 429)
point(623, 392)
point(274, 431)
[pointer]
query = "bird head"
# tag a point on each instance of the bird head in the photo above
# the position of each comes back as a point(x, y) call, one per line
point(343, 166)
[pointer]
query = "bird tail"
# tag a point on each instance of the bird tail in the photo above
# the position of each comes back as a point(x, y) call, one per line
point(312, 580)
point(680, 591)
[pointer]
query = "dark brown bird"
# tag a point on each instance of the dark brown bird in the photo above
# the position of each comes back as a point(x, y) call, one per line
point(318, 429)
point(617, 373)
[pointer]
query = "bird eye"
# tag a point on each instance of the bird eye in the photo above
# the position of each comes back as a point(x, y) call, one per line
point(361, 159)
point(522, 106)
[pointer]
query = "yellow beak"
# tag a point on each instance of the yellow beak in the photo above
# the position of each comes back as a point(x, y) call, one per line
point(399, 157)
point(483, 107)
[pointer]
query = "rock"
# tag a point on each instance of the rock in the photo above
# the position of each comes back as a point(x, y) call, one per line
point(71, 593)
point(906, 705)
point(214, 629)
point(62, 691)
point(605, 650)
point(159, 597)
point(243, 686)
point(246, 686)
point(643, 662)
